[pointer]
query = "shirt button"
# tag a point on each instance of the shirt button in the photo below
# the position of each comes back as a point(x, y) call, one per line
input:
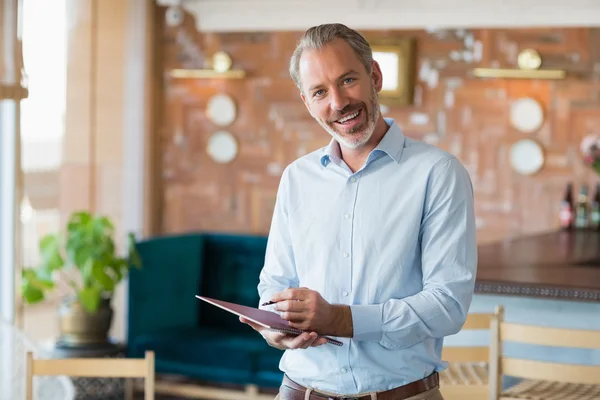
point(346, 255)
point(353, 179)
point(347, 216)
point(344, 370)
point(345, 294)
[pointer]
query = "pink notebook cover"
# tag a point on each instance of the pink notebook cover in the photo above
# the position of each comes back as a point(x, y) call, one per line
point(265, 318)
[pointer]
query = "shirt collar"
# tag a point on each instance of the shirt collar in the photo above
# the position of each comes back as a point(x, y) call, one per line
point(391, 144)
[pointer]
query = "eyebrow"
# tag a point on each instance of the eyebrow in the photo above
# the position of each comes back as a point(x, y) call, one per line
point(350, 72)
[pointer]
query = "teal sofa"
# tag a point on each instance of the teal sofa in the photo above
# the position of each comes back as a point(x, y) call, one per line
point(189, 337)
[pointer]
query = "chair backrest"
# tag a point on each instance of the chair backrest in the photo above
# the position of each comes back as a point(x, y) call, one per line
point(93, 367)
point(232, 265)
point(468, 374)
point(161, 293)
point(545, 370)
point(474, 321)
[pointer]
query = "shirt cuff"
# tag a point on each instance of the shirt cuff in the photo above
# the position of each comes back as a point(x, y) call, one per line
point(366, 322)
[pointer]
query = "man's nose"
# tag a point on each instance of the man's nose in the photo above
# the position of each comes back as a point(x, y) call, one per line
point(338, 100)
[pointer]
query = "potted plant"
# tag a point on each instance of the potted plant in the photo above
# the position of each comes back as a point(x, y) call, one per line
point(83, 259)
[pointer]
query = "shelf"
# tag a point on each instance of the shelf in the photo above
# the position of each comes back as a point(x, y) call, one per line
point(519, 73)
point(206, 74)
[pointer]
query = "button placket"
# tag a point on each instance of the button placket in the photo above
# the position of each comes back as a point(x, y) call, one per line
point(344, 287)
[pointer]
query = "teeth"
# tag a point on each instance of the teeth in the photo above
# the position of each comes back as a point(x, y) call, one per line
point(346, 118)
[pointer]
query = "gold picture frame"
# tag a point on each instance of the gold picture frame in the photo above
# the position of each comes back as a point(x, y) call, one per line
point(397, 60)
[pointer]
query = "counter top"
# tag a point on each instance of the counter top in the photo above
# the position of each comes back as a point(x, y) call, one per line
point(558, 265)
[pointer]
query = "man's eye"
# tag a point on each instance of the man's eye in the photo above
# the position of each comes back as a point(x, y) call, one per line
point(348, 80)
point(319, 93)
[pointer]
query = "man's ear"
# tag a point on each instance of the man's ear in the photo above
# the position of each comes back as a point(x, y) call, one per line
point(377, 76)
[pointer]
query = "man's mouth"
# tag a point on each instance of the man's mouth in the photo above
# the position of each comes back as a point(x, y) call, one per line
point(349, 118)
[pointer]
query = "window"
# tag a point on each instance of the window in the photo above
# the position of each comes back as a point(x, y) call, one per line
point(42, 133)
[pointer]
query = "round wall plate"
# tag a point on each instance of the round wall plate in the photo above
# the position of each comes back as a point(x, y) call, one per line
point(529, 59)
point(221, 110)
point(222, 147)
point(526, 157)
point(526, 115)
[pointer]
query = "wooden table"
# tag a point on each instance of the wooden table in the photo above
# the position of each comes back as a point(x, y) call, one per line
point(558, 265)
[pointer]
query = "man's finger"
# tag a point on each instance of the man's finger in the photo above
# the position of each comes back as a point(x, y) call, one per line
point(290, 294)
point(290, 305)
point(319, 342)
point(281, 296)
point(310, 341)
point(295, 317)
point(298, 341)
point(254, 326)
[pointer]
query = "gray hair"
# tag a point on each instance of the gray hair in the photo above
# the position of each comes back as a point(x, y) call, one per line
point(318, 36)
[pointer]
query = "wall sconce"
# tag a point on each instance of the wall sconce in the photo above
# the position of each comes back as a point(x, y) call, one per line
point(221, 68)
point(529, 62)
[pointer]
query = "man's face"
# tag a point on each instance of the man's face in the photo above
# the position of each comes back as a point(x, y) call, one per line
point(339, 93)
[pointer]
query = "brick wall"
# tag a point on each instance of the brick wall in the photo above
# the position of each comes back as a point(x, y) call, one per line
point(464, 115)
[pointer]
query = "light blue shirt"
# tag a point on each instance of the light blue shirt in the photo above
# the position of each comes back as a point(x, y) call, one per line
point(395, 241)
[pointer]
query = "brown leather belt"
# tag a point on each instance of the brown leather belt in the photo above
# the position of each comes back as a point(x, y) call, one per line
point(291, 390)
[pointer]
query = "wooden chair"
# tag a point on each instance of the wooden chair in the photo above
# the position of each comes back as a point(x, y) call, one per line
point(94, 367)
point(544, 380)
point(467, 376)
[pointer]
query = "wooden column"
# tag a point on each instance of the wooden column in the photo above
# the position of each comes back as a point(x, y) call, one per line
point(93, 145)
point(108, 116)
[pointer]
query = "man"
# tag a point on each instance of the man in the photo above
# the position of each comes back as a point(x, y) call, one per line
point(372, 240)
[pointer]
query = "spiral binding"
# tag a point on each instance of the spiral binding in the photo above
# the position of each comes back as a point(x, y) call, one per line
point(294, 331)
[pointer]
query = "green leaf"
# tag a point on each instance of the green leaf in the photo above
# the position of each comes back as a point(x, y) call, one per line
point(33, 286)
point(116, 270)
point(134, 256)
point(103, 279)
point(31, 293)
point(90, 299)
point(50, 253)
point(87, 272)
point(78, 219)
point(102, 226)
point(33, 277)
point(81, 255)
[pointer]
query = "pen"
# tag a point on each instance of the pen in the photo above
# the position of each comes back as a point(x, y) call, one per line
point(268, 303)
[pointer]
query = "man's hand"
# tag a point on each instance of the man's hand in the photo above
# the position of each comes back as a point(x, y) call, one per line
point(307, 310)
point(282, 341)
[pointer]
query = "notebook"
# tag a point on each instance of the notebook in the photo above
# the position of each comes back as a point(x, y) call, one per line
point(265, 318)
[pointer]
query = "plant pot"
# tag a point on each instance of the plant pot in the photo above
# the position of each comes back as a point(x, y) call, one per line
point(79, 328)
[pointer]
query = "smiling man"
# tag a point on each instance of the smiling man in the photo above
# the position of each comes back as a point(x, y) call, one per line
point(372, 240)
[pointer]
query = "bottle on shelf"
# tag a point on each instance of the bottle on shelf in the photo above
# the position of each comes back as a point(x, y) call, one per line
point(581, 209)
point(595, 209)
point(567, 212)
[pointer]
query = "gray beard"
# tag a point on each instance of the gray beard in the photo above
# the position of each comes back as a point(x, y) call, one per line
point(373, 115)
